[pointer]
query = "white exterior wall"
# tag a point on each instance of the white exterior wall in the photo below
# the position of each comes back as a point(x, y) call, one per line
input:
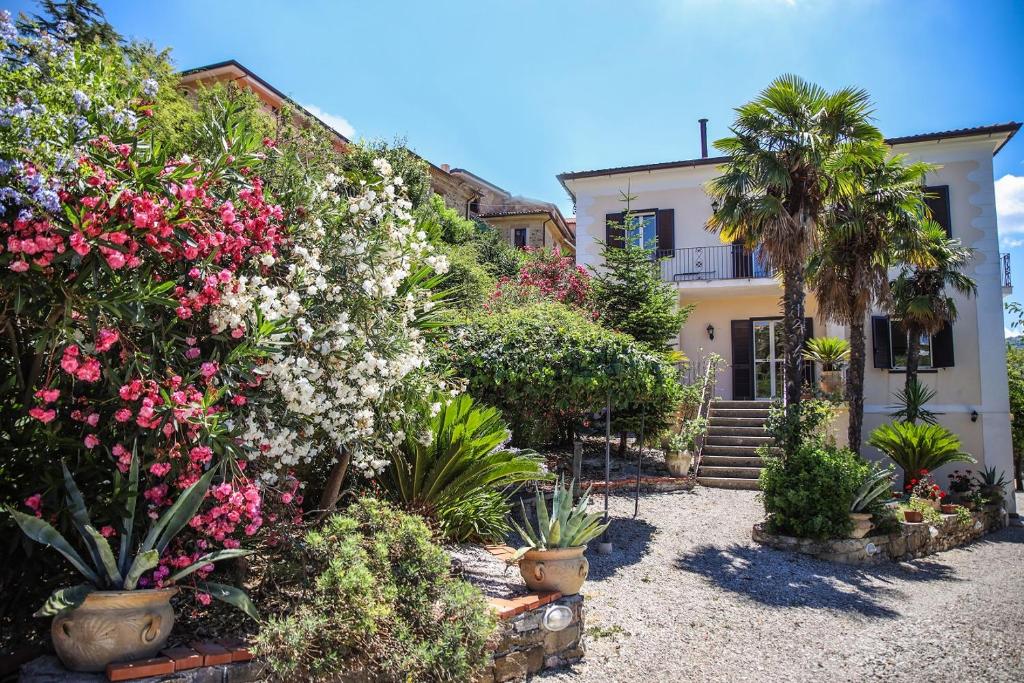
point(977, 382)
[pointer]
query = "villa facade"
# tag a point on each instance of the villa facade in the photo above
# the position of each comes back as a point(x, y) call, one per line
point(735, 300)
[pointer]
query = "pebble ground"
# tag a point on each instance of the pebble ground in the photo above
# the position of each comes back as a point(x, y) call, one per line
point(686, 595)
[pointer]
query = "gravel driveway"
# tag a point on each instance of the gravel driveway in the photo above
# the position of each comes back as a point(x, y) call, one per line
point(687, 595)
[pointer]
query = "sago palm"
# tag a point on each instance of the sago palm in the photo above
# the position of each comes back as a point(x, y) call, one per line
point(918, 446)
point(457, 478)
point(865, 233)
point(792, 151)
point(919, 293)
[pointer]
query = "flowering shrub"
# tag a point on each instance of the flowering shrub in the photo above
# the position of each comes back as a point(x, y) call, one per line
point(924, 487)
point(545, 276)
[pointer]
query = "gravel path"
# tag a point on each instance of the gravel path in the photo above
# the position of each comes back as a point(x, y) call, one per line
point(687, 595)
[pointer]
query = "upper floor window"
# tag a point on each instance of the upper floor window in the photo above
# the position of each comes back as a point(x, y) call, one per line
point(474, 206)
point(890, 344)
point(900, 343)
point(519, 238)
point(937, 200)
point(643, 230)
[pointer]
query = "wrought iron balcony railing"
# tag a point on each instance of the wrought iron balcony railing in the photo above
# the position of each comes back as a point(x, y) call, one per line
point(1005, 270)
point(721, 262)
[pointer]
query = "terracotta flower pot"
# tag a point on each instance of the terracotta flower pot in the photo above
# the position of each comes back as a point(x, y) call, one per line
point(861, 524)
point(949, 509)
point(678, 462)
point(912, 517)
point(561, 569)
point(113, 626)
point(831, 381)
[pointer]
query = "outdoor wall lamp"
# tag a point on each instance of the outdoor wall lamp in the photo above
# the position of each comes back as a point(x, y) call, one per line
point(711, 332)
point(557, 617)
point(974, 416)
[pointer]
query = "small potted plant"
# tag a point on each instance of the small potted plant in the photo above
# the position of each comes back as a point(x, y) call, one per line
point(832, 353)
point(962, 485)
point(925, 488)
point(108, 618)
point(551, 558)
point(992, 486)
point(680, 447)
point(873, 493)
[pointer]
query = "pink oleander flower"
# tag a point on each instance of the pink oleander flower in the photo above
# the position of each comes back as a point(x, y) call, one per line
point(107, 531)
point(106, 339)
point(88, 371)
point(44, 415)
point(209, 369)
point(123, 415)
point(160, 469)
point(91, 441)
point(48, 395)
point(192, 353)
point(204, 598)
point(18, 266)
point(93, 419)
point(35, 504)
point(69, 360)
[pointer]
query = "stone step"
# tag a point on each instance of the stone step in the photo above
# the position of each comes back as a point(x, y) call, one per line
point(729, 483)
point(715, 440)
point(735, 451)
point(730, 461)
point(729, 472)
point(747, 430)
point(759, 405)
point(738, 412)
point(736, 421)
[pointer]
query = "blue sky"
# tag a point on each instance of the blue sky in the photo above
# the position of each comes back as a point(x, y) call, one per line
point(520, 91)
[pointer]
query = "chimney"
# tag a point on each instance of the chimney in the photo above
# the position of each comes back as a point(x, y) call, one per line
point(445, 167)
point(703, 138)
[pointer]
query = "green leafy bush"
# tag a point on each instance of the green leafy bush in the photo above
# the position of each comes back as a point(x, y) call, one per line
point(809, 492)
point(380, 604)
point(917, 446)
point(456, 479)
point(546, 367)
point(468, 281)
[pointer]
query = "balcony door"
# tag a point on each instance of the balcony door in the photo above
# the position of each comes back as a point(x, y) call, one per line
point(769, 364)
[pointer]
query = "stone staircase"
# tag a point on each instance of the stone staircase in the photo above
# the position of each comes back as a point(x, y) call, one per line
point(735, 431)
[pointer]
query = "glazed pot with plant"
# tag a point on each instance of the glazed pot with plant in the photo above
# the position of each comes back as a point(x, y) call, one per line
point(871, 497)
point(992, 486)
point(832, 353)
point(109, 618)
point(551, 558)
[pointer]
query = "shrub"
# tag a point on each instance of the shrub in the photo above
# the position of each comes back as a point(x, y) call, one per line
point(546, 275)
point(918, 446)
point(381, 604)
point(546, 367)
point(809, 492)
point(806, 424)
point(468, 282)
point(456, 478)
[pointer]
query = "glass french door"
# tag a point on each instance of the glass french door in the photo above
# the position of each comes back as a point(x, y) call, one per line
point(768, 359)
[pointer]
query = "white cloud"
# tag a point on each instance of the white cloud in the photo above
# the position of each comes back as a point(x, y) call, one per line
point(338, 123)
point(1010, 207)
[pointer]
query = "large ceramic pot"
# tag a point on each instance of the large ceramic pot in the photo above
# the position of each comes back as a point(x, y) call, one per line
point(678, 462)
point(861, 524)
point(562, 569)
point(113, 626)
point(831, 381)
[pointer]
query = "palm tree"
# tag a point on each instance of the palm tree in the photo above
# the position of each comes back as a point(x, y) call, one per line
point(863, 235)
point(792, 151)
point(919, 295)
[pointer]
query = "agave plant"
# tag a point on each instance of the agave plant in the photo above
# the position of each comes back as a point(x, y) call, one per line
point(460, 478)
point(107, 572)
point(992, 484)
point(565, 526)
point(910, 403)
point(832, 352)
point(916, 446)
point(876, 489)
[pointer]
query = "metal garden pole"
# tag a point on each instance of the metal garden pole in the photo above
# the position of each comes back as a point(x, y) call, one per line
point(639, 465)
point(605, 546)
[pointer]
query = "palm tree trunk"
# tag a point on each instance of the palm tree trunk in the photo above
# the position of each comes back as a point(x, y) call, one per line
point(793, 324)
point(855, 382)
point(913, 358)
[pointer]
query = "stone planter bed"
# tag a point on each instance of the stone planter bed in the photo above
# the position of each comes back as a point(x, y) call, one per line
point(911, 541)
point(523, 646)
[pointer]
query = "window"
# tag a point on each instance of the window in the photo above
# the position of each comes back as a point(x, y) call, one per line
point(474, 206)
point(643, 230)
point(937, 199)
point(900, 342)
point(519, 238)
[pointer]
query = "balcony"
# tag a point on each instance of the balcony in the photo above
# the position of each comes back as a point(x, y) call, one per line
point(704, 264)
point(1004, 273)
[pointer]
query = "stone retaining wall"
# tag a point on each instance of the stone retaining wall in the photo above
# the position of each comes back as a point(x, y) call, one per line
point(525, 647)
point(911, 541)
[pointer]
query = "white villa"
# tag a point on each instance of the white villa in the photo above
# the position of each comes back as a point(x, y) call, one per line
point(736, 304)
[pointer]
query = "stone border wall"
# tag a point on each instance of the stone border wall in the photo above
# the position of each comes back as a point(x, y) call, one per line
point(525, 647)
point(911, 541)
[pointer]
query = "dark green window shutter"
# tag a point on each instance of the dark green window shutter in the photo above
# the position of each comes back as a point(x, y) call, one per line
point(942, 347)
point(614, 235)
point(881, 346)
point(938, 204)
point(808, 365)
point(666, 223)
point(742, 360)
